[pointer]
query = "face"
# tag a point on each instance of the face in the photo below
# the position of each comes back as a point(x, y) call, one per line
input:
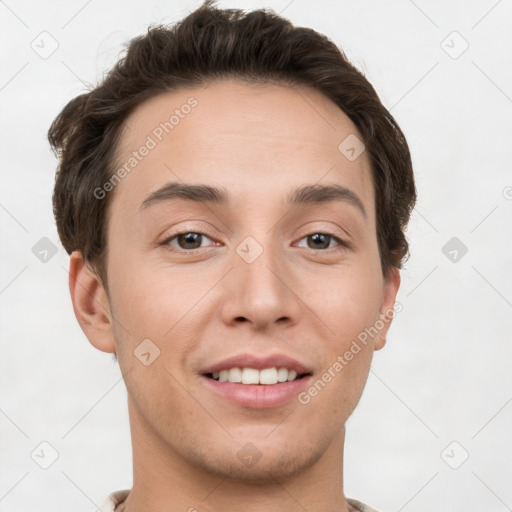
point(276, 267)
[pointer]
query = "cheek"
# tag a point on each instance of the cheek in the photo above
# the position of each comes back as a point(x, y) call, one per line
point(337, 387)
point(151, 318)
point(151, 301)
point(349, 307)
point(349, 302)
point(169, 308)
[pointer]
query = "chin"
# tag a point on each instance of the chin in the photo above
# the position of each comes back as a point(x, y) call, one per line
point(252, 466)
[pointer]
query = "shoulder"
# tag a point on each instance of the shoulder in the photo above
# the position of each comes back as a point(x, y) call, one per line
point(112, 500)
point(360, 506)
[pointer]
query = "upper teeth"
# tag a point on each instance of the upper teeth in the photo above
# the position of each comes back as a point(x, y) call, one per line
point(253, 376)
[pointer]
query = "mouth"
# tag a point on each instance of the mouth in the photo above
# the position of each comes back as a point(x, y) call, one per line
point(257, 382)
point(251, 376)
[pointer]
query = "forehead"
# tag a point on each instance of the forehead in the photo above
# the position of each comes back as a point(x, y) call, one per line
point(258, 141)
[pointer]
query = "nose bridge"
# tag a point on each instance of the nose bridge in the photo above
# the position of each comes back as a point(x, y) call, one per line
point(259, 292)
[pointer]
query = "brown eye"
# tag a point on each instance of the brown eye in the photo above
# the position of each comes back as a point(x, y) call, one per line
point(187, 241)
point(319, 241)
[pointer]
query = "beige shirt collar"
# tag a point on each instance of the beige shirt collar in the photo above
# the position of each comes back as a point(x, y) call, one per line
point(113, 499)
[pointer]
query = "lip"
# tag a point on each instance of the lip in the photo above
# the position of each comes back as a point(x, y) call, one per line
point(258, 362)
point(258, 396)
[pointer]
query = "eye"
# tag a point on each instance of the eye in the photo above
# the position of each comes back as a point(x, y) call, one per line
point(321, 241)
point(189, 240)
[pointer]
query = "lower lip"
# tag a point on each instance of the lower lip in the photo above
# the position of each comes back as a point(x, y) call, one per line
point(258, 396)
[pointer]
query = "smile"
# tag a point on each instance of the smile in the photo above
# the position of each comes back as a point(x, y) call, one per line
point(266, 376)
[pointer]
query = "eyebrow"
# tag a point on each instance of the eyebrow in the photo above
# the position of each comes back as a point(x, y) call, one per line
point(305, 195)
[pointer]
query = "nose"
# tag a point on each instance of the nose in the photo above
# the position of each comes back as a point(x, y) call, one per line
point(262, 292)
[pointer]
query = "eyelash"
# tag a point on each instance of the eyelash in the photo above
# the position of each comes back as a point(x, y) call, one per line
point(167, 241)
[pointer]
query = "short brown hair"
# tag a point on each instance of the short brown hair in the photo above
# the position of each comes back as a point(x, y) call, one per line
point(211, 44)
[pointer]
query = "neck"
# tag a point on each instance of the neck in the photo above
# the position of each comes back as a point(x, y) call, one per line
point(164, 480)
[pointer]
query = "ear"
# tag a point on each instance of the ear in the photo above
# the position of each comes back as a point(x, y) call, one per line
point(90, 304)
point(387, 310)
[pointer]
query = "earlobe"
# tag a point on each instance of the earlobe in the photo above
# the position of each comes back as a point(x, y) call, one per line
point(90, 304)
point(387, 310)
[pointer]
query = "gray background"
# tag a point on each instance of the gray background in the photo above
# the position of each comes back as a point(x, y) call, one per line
point(442, 388)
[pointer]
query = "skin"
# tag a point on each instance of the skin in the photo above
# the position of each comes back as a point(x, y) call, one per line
point(259, 142)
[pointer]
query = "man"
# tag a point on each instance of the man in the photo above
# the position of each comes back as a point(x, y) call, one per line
point(233, 197)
